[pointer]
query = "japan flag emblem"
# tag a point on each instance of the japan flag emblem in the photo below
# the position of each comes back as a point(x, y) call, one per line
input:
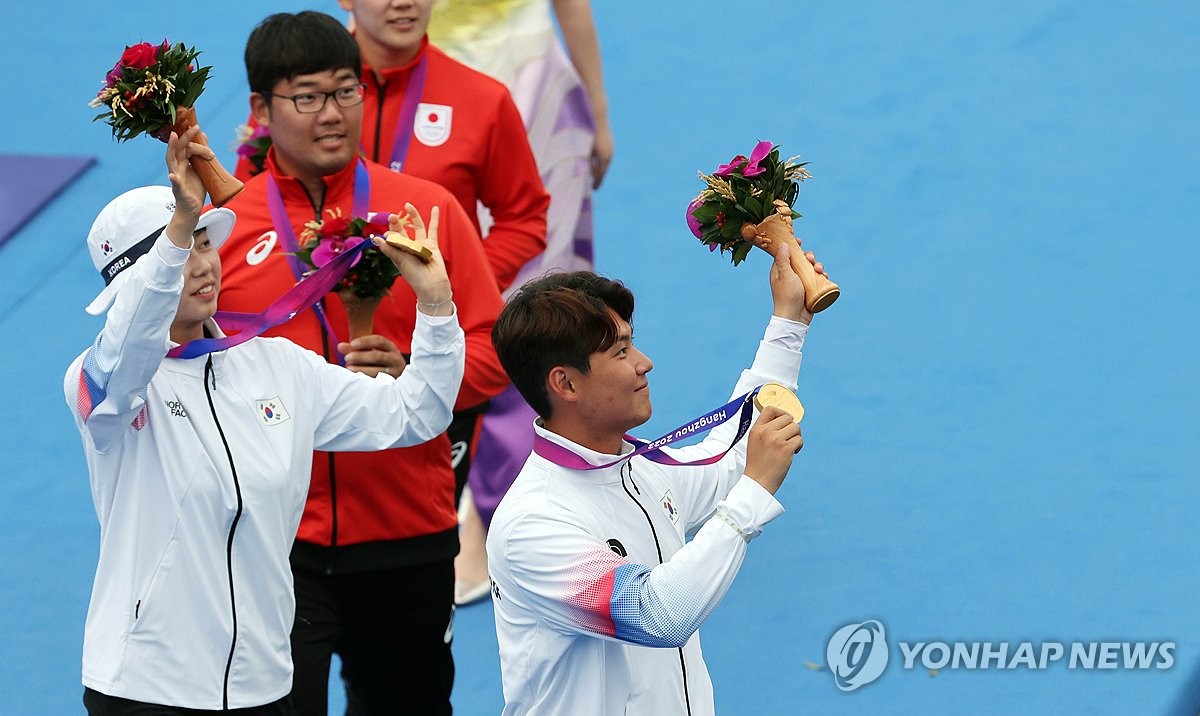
point(431, 126)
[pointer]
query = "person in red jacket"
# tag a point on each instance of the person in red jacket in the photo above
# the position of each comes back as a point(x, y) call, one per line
point(430, 116)
point(373, 560)
point(467, 135)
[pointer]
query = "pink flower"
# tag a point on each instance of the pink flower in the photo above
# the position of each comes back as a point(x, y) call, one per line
point(114, 75)
point(329, 249)
point(251, 145)
point(726, 169)
point(692, 222)
point(761, 150)
point(752, 169)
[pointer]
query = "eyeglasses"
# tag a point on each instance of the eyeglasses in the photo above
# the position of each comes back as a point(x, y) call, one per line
point(313, 102)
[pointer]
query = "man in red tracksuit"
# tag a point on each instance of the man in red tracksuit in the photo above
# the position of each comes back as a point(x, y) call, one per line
point(430, 116)
point(465, 134)
point(373, 560)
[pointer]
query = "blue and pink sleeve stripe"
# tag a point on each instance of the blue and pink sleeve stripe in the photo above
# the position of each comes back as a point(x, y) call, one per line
point(617, 604)
point(92, 380)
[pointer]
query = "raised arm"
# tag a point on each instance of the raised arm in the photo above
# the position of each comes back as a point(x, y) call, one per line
point(363, 413)
point(105, 387)
point(778, 359)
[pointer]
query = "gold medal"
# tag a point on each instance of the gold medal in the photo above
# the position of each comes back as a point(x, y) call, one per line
point(781, 397)
point(406, 244)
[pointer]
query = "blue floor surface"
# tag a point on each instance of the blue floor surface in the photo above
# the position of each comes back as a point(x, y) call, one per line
point(1001, 431)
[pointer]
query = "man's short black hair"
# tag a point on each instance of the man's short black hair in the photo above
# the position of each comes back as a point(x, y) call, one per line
point(559, 320)
point(285, 45)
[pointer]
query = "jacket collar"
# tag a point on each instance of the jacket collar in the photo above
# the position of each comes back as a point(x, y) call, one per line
point(592, 457)
point(340, 183)
point(195, 366)
point(390, 73)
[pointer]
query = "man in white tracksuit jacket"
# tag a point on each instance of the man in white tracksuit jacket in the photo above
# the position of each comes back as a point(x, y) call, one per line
point(598, 594)
point(199, 467)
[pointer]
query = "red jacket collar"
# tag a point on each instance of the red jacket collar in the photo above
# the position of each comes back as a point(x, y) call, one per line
point(339, 183)
point(388, 73)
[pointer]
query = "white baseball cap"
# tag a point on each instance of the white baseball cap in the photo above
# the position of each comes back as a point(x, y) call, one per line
point(127, 228)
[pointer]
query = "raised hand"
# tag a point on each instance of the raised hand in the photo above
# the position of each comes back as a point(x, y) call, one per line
point(185, 184)
point(773, 441)
point(428, 279)
point(786, 289)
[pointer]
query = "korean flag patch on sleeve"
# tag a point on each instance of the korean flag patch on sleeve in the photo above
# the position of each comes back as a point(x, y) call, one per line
point(271, 411)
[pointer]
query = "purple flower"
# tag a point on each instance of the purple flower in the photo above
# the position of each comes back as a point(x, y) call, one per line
point(692, 222)
point(253, 144)
point(761, 150)
point(726, 169)
point(328, 249)
point(114, 75)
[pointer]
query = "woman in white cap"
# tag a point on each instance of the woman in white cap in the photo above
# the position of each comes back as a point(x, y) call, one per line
point(199, 467)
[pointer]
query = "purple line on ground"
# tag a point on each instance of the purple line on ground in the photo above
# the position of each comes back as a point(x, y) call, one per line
point(30, 182)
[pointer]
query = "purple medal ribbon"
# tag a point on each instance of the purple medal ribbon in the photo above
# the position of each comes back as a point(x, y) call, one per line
point(308, 291)
point(564, 457)
point(287, 235)
point(408, 115)
point(299, 297)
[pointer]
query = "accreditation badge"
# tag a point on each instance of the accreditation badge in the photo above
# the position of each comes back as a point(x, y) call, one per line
point(431, 126)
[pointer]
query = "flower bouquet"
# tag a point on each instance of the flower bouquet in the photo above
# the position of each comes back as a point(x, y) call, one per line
point(252, 144)
point(748, 202)
point(371, 274)
point(151, 90)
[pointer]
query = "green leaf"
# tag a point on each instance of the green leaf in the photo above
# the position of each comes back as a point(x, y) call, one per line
point(754, 208)
point(741, 252)
point(705, 213)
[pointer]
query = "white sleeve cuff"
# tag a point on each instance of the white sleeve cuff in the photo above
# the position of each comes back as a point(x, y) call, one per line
point(748, 508)
point(786, 333)
point(436, 320)
point(437, 334)
point(171, 254)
